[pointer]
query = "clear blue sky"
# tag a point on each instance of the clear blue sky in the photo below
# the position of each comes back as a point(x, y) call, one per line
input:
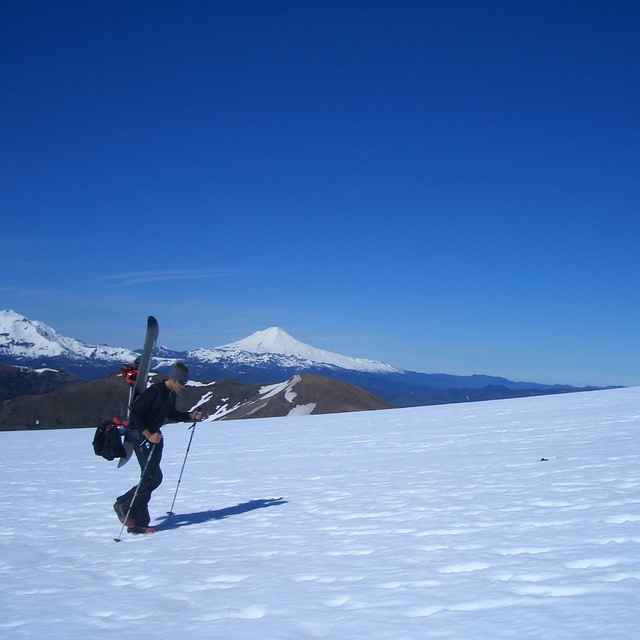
point(447, 186)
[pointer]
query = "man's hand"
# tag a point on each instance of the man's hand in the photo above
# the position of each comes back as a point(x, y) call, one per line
point(196, 415)
point(154, 438)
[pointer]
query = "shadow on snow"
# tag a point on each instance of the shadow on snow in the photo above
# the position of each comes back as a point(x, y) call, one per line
point(184, 519)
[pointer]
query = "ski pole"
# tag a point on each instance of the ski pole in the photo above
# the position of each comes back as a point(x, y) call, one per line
point(170, 513)
point(144, 471)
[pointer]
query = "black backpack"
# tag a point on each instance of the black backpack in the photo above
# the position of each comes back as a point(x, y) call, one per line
point(107, 441)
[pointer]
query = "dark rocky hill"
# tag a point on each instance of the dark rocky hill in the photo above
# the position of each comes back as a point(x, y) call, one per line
point(24, 381)
point(89, 403)
point(79, 405)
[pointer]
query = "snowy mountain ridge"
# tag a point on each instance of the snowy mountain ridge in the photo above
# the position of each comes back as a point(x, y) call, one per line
point(21, 338)
point(32, 339)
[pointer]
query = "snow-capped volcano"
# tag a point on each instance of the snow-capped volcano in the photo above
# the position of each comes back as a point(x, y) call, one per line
point(275, 343)
point(273, 340)
point(21, 338)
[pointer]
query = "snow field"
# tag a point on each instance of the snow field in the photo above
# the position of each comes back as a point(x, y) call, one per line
point(433, 522)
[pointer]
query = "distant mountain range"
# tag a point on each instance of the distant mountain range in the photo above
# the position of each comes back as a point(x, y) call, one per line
point(269, 356)
point(35, 344)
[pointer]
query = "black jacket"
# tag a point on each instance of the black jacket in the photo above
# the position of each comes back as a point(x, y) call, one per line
point(154, 407)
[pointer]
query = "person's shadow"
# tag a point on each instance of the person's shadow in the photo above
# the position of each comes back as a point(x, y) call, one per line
point(175, 520)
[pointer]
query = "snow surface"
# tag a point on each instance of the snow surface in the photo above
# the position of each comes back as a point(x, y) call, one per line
point(430, 522)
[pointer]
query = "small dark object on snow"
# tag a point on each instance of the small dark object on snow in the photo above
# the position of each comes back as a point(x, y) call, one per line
point(544, 459)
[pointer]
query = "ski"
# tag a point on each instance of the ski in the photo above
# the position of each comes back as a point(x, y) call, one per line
point(138, 380)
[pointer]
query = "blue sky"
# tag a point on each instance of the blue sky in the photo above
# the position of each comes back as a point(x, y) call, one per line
point(444, 186)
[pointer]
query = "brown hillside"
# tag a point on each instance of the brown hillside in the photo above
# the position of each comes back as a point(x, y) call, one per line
point(80, 405)
point(311, 394)
point(25, 381)
point(90, 403)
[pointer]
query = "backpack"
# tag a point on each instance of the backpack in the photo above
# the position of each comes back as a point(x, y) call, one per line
point(107, 441)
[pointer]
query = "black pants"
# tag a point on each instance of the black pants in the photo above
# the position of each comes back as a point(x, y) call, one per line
point(148, 483)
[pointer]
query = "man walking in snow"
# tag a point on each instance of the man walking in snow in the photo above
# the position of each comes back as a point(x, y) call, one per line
point(153, 408)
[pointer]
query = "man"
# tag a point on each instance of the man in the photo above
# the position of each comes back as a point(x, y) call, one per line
point(153, 408)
